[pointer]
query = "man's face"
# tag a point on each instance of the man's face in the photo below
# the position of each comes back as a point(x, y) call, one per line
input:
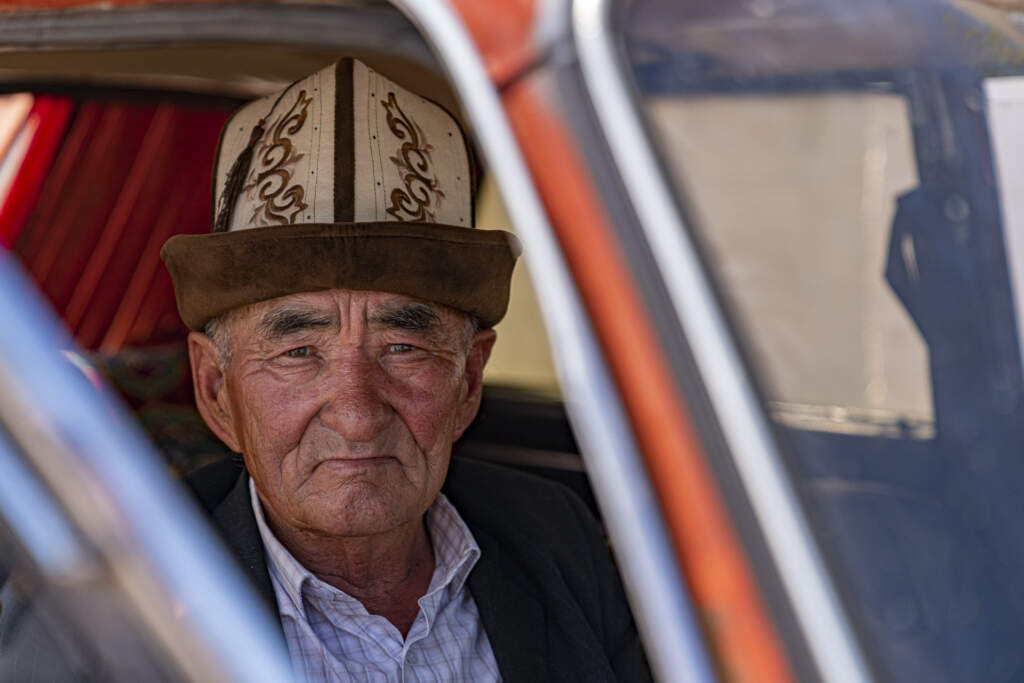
point(344, 404)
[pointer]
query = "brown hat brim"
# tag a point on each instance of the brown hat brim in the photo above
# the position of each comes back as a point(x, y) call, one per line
point(465, 268)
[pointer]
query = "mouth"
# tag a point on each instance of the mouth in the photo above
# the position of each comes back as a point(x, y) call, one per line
point(355, 463)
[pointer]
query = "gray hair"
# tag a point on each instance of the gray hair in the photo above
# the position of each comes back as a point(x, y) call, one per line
point(218, 329)
point(473, 325)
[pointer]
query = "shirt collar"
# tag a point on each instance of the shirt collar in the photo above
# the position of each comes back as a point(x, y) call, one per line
point(286, 571)
point(456, 552)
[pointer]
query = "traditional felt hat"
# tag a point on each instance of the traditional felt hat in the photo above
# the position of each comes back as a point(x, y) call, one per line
point(342, 180)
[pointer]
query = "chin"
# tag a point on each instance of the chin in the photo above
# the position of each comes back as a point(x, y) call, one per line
point(361, 512)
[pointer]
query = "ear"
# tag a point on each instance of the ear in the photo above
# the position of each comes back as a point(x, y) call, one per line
point(211, 393)
point(479, 352)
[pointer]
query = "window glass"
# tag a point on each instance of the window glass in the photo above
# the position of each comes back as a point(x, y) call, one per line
point(837, 347)
point(853, 176)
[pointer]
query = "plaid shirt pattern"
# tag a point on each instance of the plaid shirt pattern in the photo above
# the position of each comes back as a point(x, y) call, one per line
point(331, 636)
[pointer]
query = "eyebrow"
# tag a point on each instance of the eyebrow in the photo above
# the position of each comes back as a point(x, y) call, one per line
point(414, 317)
point(285, 321)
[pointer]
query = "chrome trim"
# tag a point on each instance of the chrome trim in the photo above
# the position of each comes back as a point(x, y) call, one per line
point(37, 523)
point(97, 467)
point(551, 24)
point(312, 24)
point(821, 618)
point(646, 558)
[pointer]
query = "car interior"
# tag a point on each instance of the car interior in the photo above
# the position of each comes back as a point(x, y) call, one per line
point(146, 122)
point(115, 148)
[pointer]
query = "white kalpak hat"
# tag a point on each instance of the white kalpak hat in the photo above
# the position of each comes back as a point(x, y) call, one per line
point(343, 180)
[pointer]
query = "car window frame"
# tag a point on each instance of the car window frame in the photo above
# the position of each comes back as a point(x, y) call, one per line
point(694, 303)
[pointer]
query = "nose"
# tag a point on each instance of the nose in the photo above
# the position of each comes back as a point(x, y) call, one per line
point(355, 407)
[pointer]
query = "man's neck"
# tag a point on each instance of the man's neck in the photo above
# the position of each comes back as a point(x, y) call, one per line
point(387, 573)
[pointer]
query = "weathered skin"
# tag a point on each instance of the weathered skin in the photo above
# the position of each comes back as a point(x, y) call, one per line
point(345, 405)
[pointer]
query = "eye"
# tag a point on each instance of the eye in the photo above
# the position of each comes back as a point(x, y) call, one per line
point(299, 352)
point(401, 348)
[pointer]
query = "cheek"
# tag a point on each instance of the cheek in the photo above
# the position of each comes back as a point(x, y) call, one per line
point(428, 404)
point(273, 420)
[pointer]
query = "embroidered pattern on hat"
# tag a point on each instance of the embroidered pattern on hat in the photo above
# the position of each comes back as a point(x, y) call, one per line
point(422, 194)
point(277, 202)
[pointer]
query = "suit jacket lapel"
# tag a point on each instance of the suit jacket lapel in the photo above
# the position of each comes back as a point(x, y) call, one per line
point(237, 526)
point(512, 617)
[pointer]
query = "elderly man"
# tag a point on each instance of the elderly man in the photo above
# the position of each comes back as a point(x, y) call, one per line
point(346, 303)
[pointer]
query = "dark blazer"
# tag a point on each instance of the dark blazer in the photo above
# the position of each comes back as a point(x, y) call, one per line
point(545, 586)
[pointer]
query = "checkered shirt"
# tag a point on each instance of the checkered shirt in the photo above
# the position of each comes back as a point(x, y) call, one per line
point(331, 636)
